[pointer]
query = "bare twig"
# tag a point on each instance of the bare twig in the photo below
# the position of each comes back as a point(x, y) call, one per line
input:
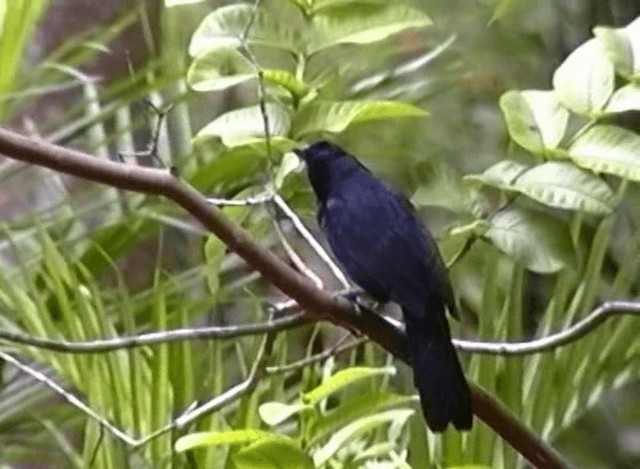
point(255, 200)
point(545, 344)
point(70, 398)
point(295, 258)
point(317, 358)
point(311, 240)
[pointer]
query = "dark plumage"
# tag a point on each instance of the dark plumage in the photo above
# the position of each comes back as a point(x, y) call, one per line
point(377, 237)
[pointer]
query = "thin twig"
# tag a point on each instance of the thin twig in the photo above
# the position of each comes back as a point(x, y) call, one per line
point(160, 337)
point(545, 344)
point(260, 74)
point(317, 358)
point(70, 398)
point(311, 240)
point(295, 258)
point(255, 200)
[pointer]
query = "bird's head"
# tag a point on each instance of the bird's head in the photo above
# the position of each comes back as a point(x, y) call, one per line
point(326, 162)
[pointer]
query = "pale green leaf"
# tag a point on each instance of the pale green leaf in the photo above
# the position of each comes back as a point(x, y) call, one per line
point(563, 185)
point(536, 120)
point(231, 437)
point(585, 80)
point(225, 26)
point(342, 379)
point(214, 251)
point(501, 175)
point(361, 24)
point(218, 69)
point(319, 5)
point(336, 116)
point(286, 80)
point(246, 125)
point(625, 99)
point(357, 428)
point(622, 46)
point(354, 408)
point(274, 413)
point(290, 162)
point(535, 240)
point(223, 67)
point(608, 149)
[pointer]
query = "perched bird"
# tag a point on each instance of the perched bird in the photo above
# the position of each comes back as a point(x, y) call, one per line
point(376, 235)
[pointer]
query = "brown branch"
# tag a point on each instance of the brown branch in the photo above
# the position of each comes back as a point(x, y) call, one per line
point(320, 303)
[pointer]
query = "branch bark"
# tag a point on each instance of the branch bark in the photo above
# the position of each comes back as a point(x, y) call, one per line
point(319, 303)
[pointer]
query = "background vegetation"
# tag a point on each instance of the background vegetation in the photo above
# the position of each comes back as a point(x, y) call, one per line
point(536, 190)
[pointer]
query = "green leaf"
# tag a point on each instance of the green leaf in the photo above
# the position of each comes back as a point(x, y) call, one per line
point(225, 26)
point(585, 80)
point(221, 68)
point(218, 69)
point(502, 9)
point(622, 46)
point(355, 407)
point(274, 413)
point(287, 80)
point(625, 99)
point(214, 251)
point(336, 116)
point(319, 5)
point(535, 240)
point(289, 163)
point(441, 186)
point(231, 437)
point(246, 125)
point(535, 119)
point(272, 453)
point(608, 149)
point(353, 430)
point(361, 24)
point(500, 175)
point(175, 3)
point(342, 379)
point(556, 184)
point(563, 185)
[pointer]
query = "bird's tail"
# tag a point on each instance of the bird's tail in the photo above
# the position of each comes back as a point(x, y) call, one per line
point(443, 389)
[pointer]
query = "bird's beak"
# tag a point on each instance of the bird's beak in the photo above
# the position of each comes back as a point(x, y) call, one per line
point(300, 153)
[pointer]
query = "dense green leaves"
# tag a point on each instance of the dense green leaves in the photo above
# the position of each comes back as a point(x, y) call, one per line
point(331, 24)
point(356, 428)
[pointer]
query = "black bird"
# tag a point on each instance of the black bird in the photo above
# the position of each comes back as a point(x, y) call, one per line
point(375, 234)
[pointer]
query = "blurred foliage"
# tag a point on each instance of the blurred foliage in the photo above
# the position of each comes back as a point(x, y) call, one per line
point(510, 124)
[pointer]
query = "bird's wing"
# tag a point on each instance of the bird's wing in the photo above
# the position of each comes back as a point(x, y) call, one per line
point(383, 246)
